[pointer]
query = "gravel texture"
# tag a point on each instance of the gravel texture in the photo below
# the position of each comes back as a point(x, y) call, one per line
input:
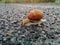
point(12, 33)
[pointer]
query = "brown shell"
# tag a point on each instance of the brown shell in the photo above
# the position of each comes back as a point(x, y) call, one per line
point(35, 15)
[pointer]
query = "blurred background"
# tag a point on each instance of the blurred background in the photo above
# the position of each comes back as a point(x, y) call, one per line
point(30, 1)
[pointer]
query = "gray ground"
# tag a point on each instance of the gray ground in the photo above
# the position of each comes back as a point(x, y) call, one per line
point(12, 33)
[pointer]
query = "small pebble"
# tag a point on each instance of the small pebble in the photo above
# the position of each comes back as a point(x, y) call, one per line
point(56, 36)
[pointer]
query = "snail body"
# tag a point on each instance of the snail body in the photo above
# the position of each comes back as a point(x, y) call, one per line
point(34, 17)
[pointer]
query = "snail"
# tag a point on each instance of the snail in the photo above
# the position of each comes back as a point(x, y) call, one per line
point(34, 17)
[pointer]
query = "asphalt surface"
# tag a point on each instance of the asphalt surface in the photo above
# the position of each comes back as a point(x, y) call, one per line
point(12, 33)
